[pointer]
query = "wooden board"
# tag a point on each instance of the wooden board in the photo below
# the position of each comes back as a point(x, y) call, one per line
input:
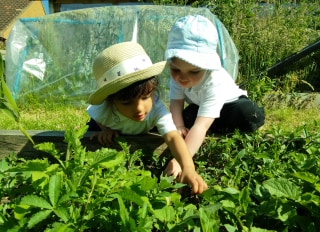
point(13, 141)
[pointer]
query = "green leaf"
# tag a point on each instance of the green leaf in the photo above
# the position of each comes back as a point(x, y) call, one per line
point(148, 183)
point(306, 176)
point(310, 198)
point(231, 191)
point(209, 218)
point(38, 217)
point(60, 227)
point(68, 196)
point(62, 213)
point(130, 195)
point(26, 134)
point(256, 229)
point(107, 158)
point(244, 198)
point(184, 223)
point(20, 210)
point(230, 228)
point(54, 189)
point(317, 187)
point(32, 166)
point(143, 211)
point(9, 112)
point(8, 96)
point(281, 187)
point(48, 147)
point(36, 201)
point(124, 215)
point(228, 205)
point(165, 214)
point(40, 179)
point(286, 212)
point(4, 166)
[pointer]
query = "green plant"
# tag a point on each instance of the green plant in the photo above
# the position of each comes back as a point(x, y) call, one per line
point(81, 190)
point(7, 103)
point(260, 181)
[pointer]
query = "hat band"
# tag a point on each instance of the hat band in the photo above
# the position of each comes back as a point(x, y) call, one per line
point(125, 67)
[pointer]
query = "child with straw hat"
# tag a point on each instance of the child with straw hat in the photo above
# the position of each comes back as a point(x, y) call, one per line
point(126, 102)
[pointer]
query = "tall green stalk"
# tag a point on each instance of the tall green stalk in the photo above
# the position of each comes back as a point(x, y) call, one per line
point(7, 103)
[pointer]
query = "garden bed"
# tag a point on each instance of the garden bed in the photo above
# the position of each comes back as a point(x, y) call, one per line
point(16, 142)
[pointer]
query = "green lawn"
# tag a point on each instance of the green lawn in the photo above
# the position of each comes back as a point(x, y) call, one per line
point(59, 117)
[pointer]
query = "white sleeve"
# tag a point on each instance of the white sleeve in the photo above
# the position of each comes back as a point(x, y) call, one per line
point(211, 103)
point(163, 121)
point(98, 112)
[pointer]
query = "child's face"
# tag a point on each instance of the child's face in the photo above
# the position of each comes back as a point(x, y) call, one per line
point(185, 74)
point(136, 109)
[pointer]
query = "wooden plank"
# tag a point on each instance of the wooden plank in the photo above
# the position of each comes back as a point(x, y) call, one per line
point(280, 66)
point(13, 141)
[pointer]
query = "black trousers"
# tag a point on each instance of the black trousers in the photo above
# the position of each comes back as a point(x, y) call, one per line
point(242, 114)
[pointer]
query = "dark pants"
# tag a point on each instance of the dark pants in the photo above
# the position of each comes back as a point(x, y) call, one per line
point(242, 114)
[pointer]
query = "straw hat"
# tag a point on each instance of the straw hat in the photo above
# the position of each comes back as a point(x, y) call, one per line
point(119, 66)
point(194, 39)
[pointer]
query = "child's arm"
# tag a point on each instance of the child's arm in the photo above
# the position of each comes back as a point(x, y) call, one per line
point(176, 107)
point(180, 152)
point(197, 133)
point(194, 139)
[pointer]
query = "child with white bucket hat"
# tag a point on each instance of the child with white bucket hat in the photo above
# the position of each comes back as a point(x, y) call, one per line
point(215, 103)
point(126, 102)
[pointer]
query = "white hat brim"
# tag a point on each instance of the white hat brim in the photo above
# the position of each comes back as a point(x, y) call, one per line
point(207, 61)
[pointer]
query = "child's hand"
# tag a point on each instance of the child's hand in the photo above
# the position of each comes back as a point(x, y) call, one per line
point(192, 178)
point(173, 168)
point(183, 131)
point(105, 136)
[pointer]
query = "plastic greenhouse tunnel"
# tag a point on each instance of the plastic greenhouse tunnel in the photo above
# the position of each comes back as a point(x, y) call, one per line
point(50, 57)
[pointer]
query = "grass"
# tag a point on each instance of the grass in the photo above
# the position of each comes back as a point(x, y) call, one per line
point(260, 42)
point(47, 117)
point(288, 119)
point(62, 117)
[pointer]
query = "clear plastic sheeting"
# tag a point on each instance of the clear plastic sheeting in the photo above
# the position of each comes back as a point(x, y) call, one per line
point(50, 58)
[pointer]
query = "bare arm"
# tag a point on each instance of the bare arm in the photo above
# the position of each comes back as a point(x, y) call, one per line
point(176, 108)
point(197, 133)
point(180, 152)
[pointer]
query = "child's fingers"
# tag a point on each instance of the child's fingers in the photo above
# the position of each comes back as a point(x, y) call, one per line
point(197, 184)
point(202, 186)
point(195, 188)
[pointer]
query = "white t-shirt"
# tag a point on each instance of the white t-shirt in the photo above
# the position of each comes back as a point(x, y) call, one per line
point(215, 89)
point(159, 116)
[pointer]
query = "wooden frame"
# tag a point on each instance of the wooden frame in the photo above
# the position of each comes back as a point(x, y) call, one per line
point(13, 141)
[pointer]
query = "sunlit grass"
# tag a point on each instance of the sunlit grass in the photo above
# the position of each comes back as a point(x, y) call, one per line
point(56, 117)
point(59, 117)
point(288, 119)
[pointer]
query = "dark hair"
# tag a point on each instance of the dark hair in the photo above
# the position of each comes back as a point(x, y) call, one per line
point(137, 89)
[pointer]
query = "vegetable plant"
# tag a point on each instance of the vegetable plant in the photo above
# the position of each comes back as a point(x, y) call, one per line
point(257, 182)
